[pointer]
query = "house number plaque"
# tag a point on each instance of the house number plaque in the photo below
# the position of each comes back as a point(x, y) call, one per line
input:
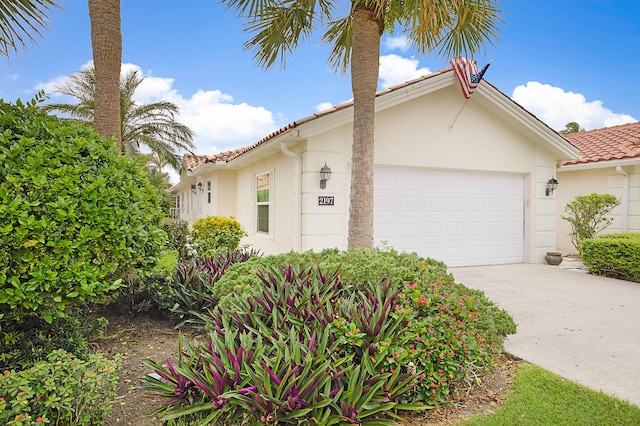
point(325, 201)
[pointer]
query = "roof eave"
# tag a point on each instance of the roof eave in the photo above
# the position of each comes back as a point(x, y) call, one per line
point(635, 161)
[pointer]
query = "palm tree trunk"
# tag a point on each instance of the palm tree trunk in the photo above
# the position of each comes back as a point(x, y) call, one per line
point(366, 32)
point(106, 43)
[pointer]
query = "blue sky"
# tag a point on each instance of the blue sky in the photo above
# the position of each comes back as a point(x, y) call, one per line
point(563, 60)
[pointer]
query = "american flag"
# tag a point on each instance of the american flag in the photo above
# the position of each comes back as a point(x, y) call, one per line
point(467, 72)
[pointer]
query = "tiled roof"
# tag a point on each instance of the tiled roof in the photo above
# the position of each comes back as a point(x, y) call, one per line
point(609, 143)
point(192, 162)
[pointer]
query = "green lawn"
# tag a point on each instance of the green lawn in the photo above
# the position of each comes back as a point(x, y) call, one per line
point(543, 398)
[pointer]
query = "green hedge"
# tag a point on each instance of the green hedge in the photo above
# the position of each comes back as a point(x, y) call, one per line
point(613, 255)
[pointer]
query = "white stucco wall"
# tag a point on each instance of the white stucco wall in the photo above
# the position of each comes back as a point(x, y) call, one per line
point(281, 237)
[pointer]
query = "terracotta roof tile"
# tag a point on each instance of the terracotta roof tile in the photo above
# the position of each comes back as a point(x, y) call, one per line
point(192, 162)
point(609, 143)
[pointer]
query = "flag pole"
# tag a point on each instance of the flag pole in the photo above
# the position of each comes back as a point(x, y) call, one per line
point(464, 104)
point(470, 83)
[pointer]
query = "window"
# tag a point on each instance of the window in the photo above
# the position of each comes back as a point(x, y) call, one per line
point(263, 202)
point(208, 192)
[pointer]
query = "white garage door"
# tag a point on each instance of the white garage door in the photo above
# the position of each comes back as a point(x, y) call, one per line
point(460, 218)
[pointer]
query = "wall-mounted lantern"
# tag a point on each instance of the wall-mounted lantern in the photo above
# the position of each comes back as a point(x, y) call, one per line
point(200, 188)
point(552, 184)
point(325, 175)
point(193, 188)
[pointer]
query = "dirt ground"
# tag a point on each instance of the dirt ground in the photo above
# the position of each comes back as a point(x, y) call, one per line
point(152, 335)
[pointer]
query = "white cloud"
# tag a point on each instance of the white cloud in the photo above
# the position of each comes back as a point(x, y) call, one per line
point(395, 69)
point(556, 107)
point(324, 106)
point(219, 124)
point(50, 86)
point(401, 43)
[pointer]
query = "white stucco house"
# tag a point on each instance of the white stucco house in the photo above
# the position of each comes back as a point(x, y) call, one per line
point(460, 182)
point(609, 163)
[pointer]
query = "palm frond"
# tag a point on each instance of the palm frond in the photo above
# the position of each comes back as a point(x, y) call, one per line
point(280, 30)
point(449, 27)
point(82, 111)
point(339, 35)
point(20, 21)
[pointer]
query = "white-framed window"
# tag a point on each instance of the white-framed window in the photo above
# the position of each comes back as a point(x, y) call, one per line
point(264, 202)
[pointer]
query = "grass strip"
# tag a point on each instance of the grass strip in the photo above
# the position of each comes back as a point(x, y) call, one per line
point(544, 398)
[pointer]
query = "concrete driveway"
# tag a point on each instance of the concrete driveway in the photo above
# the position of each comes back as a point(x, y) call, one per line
point(583, 327)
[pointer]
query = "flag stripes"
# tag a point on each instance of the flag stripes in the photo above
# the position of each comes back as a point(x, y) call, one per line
point(466, 71)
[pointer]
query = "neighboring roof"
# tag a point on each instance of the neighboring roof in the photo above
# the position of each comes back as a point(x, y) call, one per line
point(192, 162)
point(607, 144)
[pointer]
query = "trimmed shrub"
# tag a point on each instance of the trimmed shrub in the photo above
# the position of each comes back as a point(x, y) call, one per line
point(613, 255)
point(62, 390)
point(74, 212)
point(587, 215)
point(177, 232)
point(213, 234)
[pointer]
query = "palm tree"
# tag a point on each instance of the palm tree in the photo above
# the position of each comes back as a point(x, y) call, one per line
point(20, 20)
point(447, 27)
point(150, 125)
point(106, 45)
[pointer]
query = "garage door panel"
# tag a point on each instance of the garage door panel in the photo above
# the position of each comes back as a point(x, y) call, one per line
point(461, 218)
point(432, 204)
point(409, 205)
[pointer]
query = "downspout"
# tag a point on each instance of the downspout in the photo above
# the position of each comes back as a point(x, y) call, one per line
point(624, 205)
point(297, 198)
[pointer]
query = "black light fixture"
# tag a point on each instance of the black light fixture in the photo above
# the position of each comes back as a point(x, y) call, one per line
point(325, 175)
point(193, 188)
point(200, 188)
point(552, 184)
